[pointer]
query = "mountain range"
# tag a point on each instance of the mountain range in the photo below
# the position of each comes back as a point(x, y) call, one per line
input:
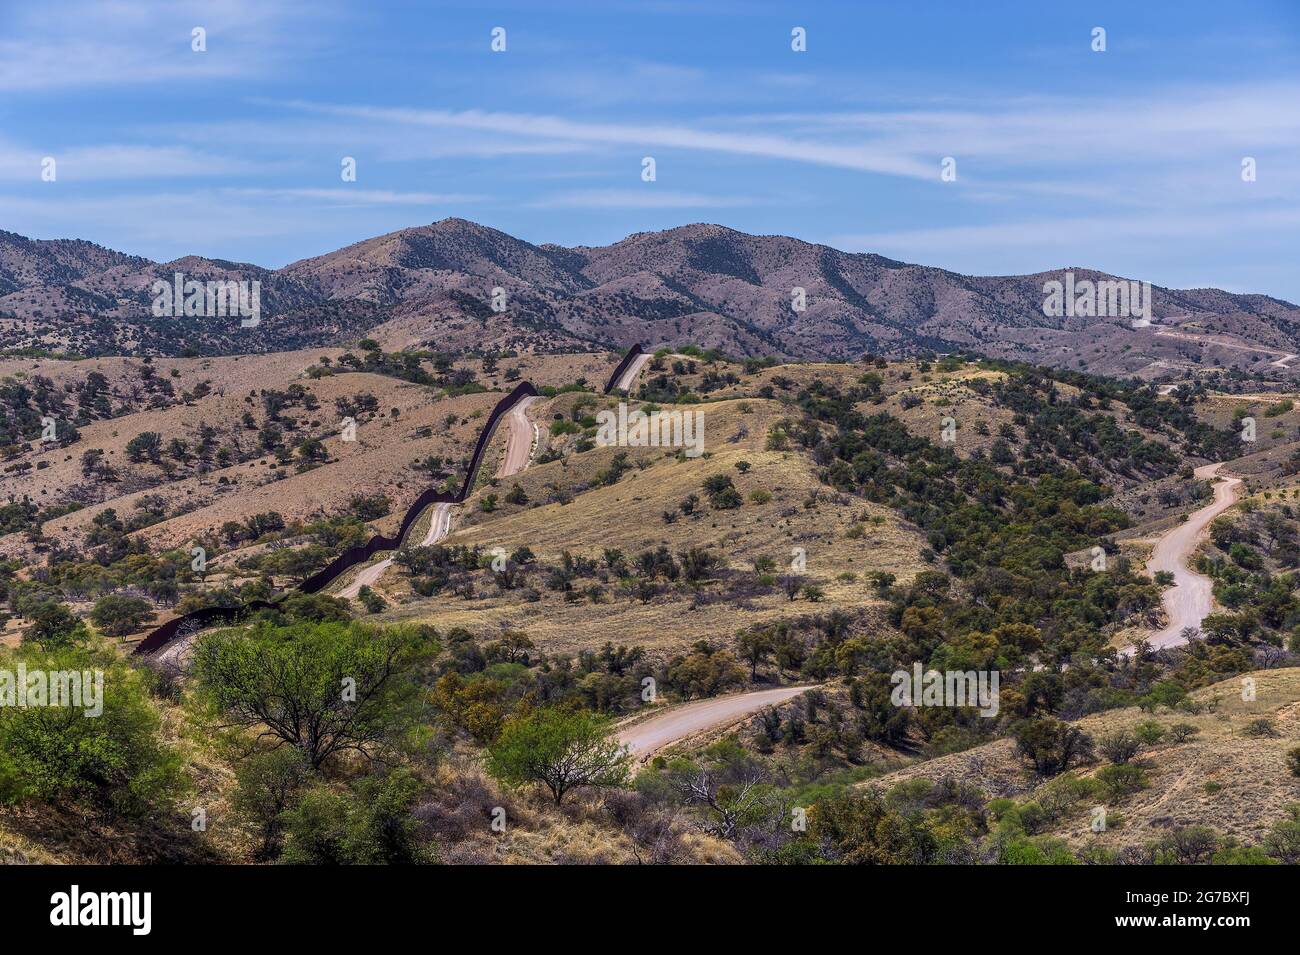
point(433, 286)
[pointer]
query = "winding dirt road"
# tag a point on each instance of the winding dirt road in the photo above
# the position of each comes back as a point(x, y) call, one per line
point(439, 527)
point(648, 736)
point(1191, 598)
point(521, 439)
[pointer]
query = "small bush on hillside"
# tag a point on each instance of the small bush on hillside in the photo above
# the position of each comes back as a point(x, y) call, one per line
point(117, 615)
point(1052, 745)
point(1149, 732)
point(1293, 760)
point(1261, 728)
point(1182, 732)
point(1119, 747)
point(1122, 780)
point(722, 492)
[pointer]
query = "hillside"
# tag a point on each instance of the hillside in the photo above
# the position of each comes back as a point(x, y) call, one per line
point(432, 286)
point(842, 521)
point(1228, 774)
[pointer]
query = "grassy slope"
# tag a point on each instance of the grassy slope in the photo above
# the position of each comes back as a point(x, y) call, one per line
point(1251, 771)
point(628, 515)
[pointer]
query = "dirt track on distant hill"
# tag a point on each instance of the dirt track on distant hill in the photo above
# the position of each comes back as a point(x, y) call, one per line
point(521, 435)
point(439, 527)
point(1280, 362)
point(522, 439)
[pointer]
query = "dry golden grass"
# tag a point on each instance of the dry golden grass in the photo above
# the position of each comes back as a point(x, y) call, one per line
point(1277, 438)
point(377, 462)
point(1248, 775)
point(18, 849)
point(839, 536)
point(581, 832)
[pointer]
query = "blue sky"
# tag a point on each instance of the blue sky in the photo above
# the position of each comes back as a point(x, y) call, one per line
point(1127, 161)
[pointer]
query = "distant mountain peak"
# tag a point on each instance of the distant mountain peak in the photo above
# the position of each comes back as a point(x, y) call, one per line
point(702, 283)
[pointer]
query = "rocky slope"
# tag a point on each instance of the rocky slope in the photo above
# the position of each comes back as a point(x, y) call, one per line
point(703, 284)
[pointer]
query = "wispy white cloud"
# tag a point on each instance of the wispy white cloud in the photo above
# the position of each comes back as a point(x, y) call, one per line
point(89, 43)
point(121, 161)
point(649, 197)
point(367, 141)
point(642, 136)
point(345, 196)
point(1185, 141)
point(1021, 145)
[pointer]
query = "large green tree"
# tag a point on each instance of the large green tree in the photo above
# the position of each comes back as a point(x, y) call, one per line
point(118, 614)
point(325, 688)
point(561, 749)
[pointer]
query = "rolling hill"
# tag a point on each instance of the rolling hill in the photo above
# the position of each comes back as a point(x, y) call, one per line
point(432, 286)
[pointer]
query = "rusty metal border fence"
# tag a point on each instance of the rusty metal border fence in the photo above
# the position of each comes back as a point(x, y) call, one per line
point(622, 366)
point(207, 616)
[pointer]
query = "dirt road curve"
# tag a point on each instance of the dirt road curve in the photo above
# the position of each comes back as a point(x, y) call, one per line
point(521, 438)
point(625, 380)
point(1191, 598)
point(439, 526)
point(647, 737)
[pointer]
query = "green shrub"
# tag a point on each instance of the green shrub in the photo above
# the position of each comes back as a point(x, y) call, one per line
point(722, 492)
point(371, 600)
point(371, 825)
point(1122, 780)
point(1283, 839)
point(269, 784)
point(117, 615)
point(1149, 732)
point(1234, 854)
point(1040, 851)
point(58, 753)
